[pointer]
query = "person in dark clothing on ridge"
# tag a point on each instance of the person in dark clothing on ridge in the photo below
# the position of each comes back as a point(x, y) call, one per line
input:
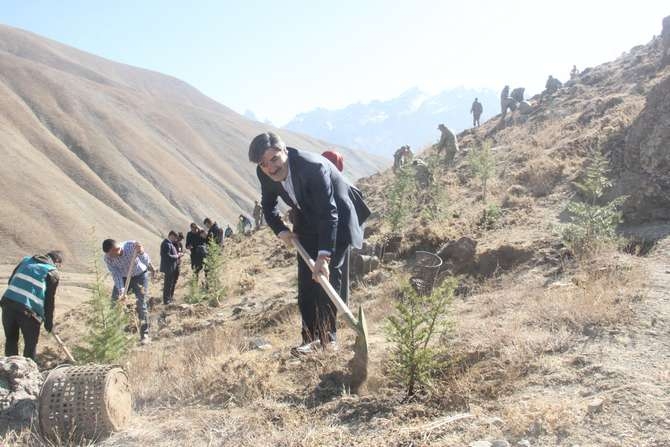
point(169, 266)
point(30, 300)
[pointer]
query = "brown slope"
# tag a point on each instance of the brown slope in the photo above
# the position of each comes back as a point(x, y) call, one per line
point(116, 144)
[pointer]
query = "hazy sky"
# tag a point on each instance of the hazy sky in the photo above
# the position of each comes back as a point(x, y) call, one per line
point(280, 58)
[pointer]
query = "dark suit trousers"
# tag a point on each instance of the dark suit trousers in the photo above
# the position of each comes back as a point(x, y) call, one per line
point(168, 285)
point(318, 313)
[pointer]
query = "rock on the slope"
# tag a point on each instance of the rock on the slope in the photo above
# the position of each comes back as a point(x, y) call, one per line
point(20, 383)
point(479, 444)
point(460, 254)
point(643, 160)
point(525, 107)
point(665, 42)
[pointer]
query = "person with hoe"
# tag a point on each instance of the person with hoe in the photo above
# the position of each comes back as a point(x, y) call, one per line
point(29, 301)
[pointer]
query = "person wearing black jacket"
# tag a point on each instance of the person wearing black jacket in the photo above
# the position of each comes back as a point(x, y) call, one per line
point(30, 300)
point(169, 266)
point(192, 241)
point(214, 231)
point(328, 216)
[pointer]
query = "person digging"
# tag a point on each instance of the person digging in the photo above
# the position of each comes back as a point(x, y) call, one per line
point(328, 214)
point(29, 301)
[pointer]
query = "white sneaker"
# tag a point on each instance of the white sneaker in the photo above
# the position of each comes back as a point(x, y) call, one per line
point(145, 340)
point(306, 348)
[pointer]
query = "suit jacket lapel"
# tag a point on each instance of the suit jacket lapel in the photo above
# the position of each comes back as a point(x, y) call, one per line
point(295, 178)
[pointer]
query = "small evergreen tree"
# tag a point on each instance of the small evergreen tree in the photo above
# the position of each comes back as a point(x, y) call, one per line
point(483, 165)
point(106, 340)
point(213, 271)
point(418, 319)
point(593, 224)
point(435, 197)
point(195, 294)
point(400, 198)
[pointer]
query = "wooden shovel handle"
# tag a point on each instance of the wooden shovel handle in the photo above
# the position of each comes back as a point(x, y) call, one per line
point(63, 347)
point(130, 270)
point(332, 294)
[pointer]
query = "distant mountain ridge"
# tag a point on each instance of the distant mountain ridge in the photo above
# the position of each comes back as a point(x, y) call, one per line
point(91, 143)
point(380, 127)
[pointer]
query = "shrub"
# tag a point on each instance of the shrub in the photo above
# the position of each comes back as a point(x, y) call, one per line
point(482, 164)
point(435, 198)
point(195, 293)
point(400, 199)
point(106, 340)
point(490, 217)
point(417, 321)
point(213, 271)
point(593, 224)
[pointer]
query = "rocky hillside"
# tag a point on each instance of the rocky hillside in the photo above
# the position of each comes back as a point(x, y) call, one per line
point(543, 348)
point(619, 108)
point(88, 142)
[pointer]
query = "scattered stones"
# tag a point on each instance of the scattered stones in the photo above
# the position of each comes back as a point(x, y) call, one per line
point(363, 264)
point(500, 443)
point(480, 444)
point(20, 383)
point(260, 343)
point(523, 443)
point(525, 107)
point(595, 406)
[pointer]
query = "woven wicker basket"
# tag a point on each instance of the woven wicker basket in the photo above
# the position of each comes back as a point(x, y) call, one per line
point(87, 401)
point(424, 273)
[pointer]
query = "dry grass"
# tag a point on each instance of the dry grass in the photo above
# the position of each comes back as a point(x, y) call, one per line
point(501, 333)
point(548, 414)
point(540, 175)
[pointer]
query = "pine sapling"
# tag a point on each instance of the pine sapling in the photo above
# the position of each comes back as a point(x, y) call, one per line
point(106, 340)
point(213, 272)
point(482, 165)
point(400, 198)
point(417, 320)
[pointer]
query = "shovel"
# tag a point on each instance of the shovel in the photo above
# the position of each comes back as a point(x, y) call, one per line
point(127, 284)
point(63, 347)
point(359, 364)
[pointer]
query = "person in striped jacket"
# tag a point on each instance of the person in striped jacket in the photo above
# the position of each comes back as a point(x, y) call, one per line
point(29, 301)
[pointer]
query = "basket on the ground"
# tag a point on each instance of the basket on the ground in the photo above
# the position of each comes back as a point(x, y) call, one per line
point(84, 401)
point(424, 273)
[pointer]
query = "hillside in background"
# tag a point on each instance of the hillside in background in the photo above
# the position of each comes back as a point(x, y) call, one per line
point(541, 345)
point(381, 127)
point(88, 142)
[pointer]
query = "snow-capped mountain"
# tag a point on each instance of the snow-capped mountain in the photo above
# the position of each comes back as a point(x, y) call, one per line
point(380, 127)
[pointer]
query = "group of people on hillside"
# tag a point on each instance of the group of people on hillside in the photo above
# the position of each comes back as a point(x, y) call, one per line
point(327, 216)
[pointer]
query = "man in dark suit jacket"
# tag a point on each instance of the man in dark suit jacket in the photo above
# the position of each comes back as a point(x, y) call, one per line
point(169, 266)
point(328, 213)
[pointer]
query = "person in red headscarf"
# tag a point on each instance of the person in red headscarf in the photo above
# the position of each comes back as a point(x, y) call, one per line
point(335, 158)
